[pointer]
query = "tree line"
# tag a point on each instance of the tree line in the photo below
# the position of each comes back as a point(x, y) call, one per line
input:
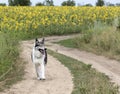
point(51, 3)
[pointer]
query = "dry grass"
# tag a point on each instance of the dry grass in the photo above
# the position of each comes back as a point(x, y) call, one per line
point(102, 40)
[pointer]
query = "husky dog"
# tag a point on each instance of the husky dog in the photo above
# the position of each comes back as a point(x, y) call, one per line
point(39, 58)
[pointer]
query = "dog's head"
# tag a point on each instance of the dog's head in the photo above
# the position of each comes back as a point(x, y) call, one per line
point(39, 45)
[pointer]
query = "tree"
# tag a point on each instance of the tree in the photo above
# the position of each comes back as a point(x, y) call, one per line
point(2, 4)
point(117, 4)
point(19, 2)
point(100, 3)
point(49, 3)
point(40, 4)
point(11, 2)
point(109, 4)
point(68, 3)
point(89, 5)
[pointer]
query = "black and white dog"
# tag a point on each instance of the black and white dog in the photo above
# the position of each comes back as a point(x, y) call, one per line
point(39, 58)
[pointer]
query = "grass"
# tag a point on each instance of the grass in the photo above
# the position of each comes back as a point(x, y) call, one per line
point(13, 76)
point(101, 39)
point(11, 67)
point(86, 79)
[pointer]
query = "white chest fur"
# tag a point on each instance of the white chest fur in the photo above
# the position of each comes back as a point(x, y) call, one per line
point(37, 56)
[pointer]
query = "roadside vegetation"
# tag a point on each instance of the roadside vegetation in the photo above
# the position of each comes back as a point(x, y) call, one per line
point(11, 66)
point(86, 79)
point(102, 39)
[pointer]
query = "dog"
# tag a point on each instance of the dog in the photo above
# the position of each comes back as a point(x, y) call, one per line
point(39, 58)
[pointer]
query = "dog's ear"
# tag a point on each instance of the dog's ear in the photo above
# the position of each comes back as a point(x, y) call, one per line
point(43, 40)
point(36, 40)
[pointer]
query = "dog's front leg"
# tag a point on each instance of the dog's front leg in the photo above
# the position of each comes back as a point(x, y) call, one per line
point(38, 71)
point(43, 71)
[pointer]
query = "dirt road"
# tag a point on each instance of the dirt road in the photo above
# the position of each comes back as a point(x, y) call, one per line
point(58, 77)
point(56, 82)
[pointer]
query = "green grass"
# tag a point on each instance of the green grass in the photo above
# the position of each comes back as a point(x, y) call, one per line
point(67, 43)
point(8, 51)
point(86, 79)
point(11, 69)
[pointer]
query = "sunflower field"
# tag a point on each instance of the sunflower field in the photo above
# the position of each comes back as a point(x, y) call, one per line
point(54, 20)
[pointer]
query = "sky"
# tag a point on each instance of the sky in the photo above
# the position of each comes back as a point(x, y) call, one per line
point(58, 2)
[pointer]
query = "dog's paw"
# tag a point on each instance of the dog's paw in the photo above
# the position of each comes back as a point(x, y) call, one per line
point(43, 79)
point(39, 78)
